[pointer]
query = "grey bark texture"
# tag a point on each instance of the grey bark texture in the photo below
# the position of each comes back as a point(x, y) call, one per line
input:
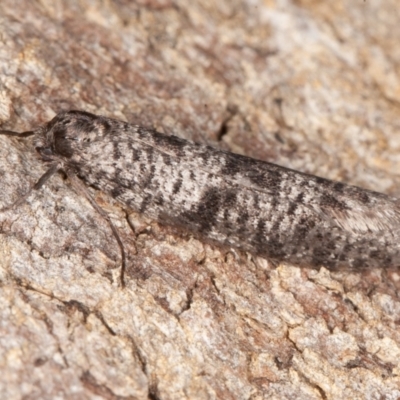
point(312, 86)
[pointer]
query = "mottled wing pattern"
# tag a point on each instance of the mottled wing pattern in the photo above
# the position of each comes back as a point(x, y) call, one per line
point(228, 198)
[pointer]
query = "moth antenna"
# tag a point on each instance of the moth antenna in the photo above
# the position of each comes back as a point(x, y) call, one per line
point(17, 134)
point(80, 188)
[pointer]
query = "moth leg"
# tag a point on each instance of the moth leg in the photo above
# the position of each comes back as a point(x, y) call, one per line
point(81, 189)
point(39, 184)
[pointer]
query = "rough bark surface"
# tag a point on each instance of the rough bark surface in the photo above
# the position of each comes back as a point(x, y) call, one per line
point(310, 85)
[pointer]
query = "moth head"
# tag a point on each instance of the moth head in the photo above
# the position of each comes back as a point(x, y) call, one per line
point(67, 135)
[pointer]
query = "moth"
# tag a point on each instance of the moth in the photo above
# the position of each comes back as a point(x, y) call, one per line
point(226, 198)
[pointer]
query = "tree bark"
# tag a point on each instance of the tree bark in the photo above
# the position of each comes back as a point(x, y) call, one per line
point(309, 86)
